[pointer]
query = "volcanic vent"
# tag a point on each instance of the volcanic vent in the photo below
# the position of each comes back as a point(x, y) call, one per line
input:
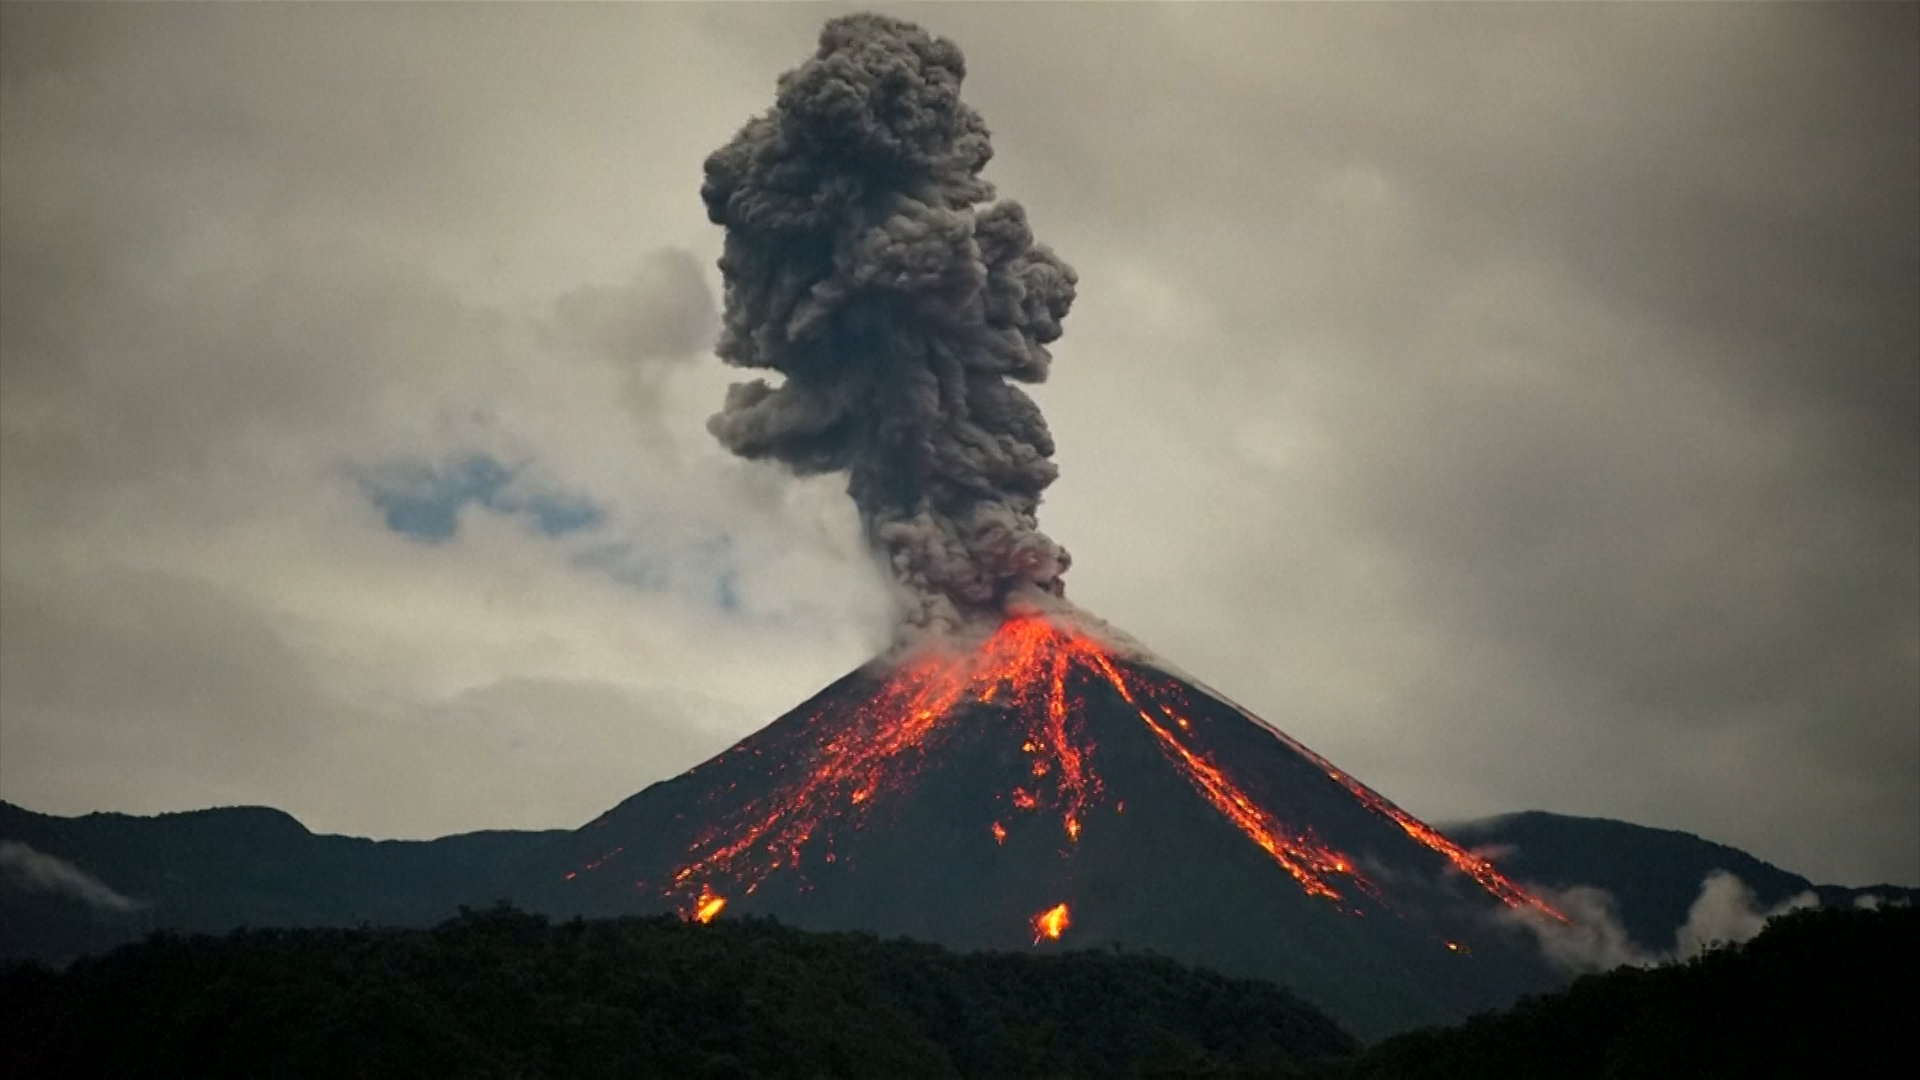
point(1011, 775)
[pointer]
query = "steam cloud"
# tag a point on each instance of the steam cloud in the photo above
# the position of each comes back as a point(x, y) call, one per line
point(1725, 912)
point(41, 872)
point(865, 261)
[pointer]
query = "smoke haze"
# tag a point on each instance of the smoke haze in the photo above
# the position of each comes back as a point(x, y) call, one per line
point(865, 262)
point(1725, 912)
point(40, 872)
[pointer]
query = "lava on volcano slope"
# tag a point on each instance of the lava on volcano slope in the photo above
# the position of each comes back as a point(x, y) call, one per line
point(854, 757)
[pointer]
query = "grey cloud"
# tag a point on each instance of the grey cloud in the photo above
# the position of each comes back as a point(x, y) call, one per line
point(1579, 348)
point(665, 312)
point(40, 872)
point(601, 737)
point(646, 329)
point(113, 689)
point(1513, 403)
point(230, 285)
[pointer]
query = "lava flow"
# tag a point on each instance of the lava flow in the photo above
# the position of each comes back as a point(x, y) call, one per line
point(873, 751)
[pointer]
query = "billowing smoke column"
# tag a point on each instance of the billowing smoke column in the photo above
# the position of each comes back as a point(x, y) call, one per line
point(865, 263)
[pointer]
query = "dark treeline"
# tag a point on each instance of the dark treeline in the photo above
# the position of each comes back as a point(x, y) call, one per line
point(1821, 992)
point(503, 993)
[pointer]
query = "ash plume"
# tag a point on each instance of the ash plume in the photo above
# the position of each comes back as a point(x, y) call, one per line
point(866, 262)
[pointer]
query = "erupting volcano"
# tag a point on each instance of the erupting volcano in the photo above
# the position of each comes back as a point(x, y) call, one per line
point(1043, 785)
point(1013, 774)
point(862, 753)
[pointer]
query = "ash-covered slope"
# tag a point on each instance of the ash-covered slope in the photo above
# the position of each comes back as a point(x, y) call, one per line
point(959, 798)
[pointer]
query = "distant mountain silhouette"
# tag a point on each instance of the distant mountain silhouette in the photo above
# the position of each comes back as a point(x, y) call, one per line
point(210, 871)
point(1654, 875)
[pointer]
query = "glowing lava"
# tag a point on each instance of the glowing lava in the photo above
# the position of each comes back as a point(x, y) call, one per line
point(706, 906)
point(1051, 923)
point(1475, 867)
point(867, 754)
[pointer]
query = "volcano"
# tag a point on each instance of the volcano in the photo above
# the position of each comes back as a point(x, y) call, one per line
point(1012, 775)
point(1045, 787)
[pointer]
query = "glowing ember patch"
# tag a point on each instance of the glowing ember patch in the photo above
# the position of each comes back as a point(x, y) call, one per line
point(708, 906)
point(999, 833)
point(1051, 923)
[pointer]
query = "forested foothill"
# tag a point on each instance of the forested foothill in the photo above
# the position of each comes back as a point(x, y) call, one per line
point(498, 992)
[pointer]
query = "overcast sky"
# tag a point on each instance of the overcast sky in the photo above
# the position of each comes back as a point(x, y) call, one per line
point(1518, 404)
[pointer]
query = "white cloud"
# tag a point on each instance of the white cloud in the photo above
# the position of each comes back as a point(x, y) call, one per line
point(1592, 939)
point(1726, 913)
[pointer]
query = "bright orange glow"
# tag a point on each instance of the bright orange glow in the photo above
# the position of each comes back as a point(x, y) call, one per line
point(864, 754)
point(1051, 923)
point(707, 906)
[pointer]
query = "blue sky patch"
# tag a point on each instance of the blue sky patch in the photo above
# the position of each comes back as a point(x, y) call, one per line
point(423, 503)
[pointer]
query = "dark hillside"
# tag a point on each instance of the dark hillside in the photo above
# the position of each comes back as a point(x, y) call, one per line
point(1822, 992)
point(1653, 874)
point(210, 871)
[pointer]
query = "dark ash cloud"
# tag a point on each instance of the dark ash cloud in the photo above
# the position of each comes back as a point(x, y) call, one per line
point(861, 263)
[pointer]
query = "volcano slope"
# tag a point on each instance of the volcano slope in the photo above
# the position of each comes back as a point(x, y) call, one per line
point(1044, 790)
